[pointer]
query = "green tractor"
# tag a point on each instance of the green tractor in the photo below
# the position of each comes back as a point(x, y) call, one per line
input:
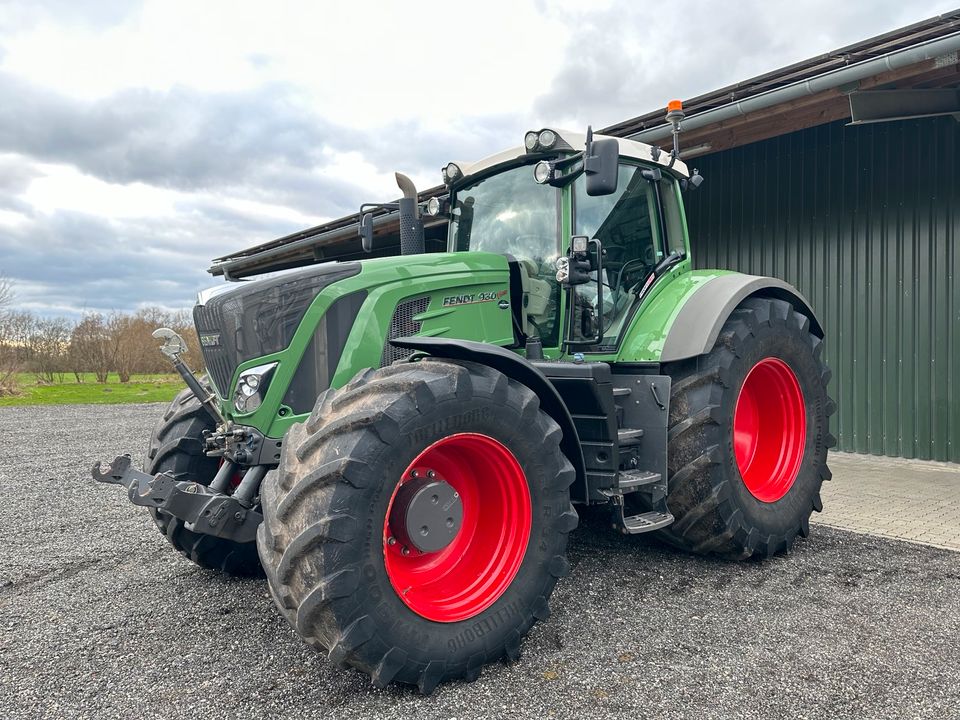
point(400, 443)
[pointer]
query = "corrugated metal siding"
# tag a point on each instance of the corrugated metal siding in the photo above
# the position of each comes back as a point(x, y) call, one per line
point(865, 221)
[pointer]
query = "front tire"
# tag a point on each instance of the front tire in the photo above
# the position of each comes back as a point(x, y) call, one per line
point(345, 571)
point(177, 448)
point(749, 433)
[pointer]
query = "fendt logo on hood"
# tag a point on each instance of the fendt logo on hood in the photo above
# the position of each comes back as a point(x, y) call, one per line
point(479, 297)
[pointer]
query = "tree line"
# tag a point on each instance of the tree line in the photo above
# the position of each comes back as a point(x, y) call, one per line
point(53, 349)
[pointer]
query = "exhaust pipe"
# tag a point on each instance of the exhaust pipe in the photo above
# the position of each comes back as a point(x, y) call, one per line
point(411, 226)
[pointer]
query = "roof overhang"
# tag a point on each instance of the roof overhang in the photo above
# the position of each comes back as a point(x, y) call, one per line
point(813, 92)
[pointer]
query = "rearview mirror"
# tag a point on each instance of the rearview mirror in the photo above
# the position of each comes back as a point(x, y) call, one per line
point(600, 166)
point(366, 232)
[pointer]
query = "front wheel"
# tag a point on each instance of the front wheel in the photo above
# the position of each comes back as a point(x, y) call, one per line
point(418, 521)
point(177, 448)
point(748, 435)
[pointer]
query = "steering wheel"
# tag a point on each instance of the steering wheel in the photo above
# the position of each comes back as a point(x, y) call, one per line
point(648, 261)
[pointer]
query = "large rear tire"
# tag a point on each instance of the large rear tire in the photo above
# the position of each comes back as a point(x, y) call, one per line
point(749, 433)
point(176, 448)
point(383, 596)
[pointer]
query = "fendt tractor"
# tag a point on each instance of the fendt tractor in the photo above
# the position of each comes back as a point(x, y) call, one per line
point(400, 443)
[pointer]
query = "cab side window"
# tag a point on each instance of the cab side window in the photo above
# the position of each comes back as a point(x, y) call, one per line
point(624, 222)
point(673, 214)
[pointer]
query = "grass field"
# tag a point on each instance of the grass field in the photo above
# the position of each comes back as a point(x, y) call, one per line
point(140, 389)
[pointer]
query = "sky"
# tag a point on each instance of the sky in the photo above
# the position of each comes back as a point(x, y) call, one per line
point(139, 140)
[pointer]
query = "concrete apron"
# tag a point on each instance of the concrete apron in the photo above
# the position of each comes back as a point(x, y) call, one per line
point(913, 500)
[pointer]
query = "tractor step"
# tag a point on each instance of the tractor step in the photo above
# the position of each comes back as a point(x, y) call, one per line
point(630, 480)
point(644, 522)
point(628, 437)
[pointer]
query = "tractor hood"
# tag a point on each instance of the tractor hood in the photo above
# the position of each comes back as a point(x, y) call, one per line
point(240, 321)
point(300, 323)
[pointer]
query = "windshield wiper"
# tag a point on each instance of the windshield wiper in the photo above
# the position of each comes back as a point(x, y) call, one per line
point(677, 256)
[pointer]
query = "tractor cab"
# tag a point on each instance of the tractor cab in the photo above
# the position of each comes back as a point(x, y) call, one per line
point(588, 229)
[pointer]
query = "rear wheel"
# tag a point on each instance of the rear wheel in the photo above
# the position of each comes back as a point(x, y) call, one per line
point(749, 434)
point(418, 521)
point(177, 448)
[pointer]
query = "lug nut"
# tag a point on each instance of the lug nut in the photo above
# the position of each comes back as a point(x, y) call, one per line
point(405, 551)
point(431, 474)
point(391, 541)
point(413, 473)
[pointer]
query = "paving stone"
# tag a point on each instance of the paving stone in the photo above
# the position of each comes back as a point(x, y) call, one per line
point(913, 500)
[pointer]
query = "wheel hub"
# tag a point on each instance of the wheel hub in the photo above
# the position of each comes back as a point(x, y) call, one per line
point(477, 530)
point(427, 513)
point(769, 429)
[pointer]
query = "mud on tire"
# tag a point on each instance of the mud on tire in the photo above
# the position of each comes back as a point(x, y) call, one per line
point(715, 510)
point(322, 539)
point(176, 448)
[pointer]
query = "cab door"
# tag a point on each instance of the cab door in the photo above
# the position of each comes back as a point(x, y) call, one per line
point(627, 225)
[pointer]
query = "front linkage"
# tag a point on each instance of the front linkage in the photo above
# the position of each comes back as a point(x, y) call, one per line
point(205, 509)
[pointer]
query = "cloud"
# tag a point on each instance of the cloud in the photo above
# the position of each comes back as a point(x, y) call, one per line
point(180, 138)
point(103, 13)
point(123, 201)
point(69, 262)
point(266, 141)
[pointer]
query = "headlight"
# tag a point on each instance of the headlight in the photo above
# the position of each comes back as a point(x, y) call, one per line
point(252, 387)
point(543, 172)
point(547, 139)
point(543, 140)
point(432, 207)
point(451, 173)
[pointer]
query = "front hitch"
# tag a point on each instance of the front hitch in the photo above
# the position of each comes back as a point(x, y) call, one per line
point(202, 509)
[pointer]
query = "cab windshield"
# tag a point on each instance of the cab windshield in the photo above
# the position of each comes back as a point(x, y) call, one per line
point(510, 214)
point(507, 213)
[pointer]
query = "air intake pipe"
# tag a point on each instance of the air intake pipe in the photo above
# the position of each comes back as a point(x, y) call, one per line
point(411, 226)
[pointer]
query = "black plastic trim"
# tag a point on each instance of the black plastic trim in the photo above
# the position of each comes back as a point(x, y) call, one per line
point(322, 355)
point(699, 321)
point(516, 301)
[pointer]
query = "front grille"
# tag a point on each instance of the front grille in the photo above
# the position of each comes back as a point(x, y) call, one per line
point(402, 324)
point(259, 318)
point(219, 358)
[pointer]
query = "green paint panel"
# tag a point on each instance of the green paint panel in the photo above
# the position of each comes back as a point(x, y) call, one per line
point(643, 341)
point(465, 291)
point(865, 222)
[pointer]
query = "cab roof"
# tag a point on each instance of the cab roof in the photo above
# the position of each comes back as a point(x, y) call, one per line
point(576, 141)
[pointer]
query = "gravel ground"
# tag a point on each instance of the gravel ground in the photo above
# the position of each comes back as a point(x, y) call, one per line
point(100, 618)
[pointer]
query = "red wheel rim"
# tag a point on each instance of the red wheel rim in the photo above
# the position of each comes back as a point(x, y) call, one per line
point(769, 429)
point(473, 571)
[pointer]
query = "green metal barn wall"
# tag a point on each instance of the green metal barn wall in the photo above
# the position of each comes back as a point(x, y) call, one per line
point(865, 221)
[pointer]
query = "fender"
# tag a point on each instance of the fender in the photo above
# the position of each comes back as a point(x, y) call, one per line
point(698, 324)
point(516, 368)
